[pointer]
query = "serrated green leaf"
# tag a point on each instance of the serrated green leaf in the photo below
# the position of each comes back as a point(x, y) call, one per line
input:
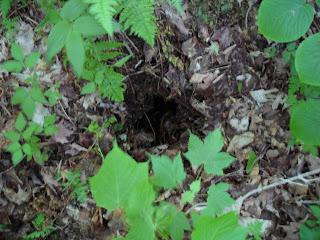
point(19, 96)
point(122, 61)
point(208, 153)
point(177, 226)
point(49, 120)
point(143, 229)
point(195, 186)
point(255, 229)
point(14, 147)
point(57, 95)
point(37, 95)
point(52, 100)
point(305, 121)
point(167, 173)
point(224, 227)
point(32, 59)
point(13, 136)
point(188, 197)
point(27, 149)
point(307, 60)
point(12, 66)
point(17, 52)
point(88, 26)
point(48, 93)
point(17, 157)
point(5, 6)
point(88, 88)
point(57, 38)
point(217, 200)
point(72, 9)
point(284, 21)
point(28, 106)
point(31, 129)
point(20, 122)
point(116, 179)
point(75, 52)
point(50, 130)
point(52, 17)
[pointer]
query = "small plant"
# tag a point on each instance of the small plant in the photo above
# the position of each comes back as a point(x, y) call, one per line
point(312, 228)
point(124, 184)
point(42, 226)
point(79, 189)
point(287, 21)
point(97, 130)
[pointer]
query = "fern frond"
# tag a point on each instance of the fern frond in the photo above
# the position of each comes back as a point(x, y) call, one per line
point(103, 11)
point(103, 45)
point(4, 7)
point(177, 4)
point(138, 15)
point(112, 87)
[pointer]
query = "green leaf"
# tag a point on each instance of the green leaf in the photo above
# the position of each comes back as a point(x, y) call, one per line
point(20, 122)
point(122, 61)
point(72, 9)
point(217, 200)
point(88, 88)
point(208, 153)
point(12, 66)
point(188, 196)
point(19, 96)
point(27, 149)
point(5, 6)
point(284, 21)
point(52, 17)
point(52, 100)
point(143, 229)
point(305, 121)
point(168, 174)
point(49, 120)
point(177, 226)
point(37, 95)
point(224, 227)
point(13, 136)
point(13, 147)
point(116, 179)
point(195, 186)
point(307, 60)
point(308, 233)
point(28, 106)
point(251, 161)
point(316, 210)
point(57, 38)
point(17, 52)
point(318, 3)
point(31, 129)
point(255, 229)
point(286, 56)
point(88, 26)
point(17, 157)
point(75, 52)
point(291, 46)
point(50, 130)
point(32, 59)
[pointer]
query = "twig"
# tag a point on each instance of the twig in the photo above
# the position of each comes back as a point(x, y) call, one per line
point(67, 116)
point(247, 14)
point(125, 35)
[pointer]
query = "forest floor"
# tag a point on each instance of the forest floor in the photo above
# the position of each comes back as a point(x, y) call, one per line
point(204, 73)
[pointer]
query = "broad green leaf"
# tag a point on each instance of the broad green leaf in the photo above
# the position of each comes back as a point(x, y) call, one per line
point(20, 122)
point(32, 59)
point(163, 216)
point(308, 233)
point(88, 88)
point(195, 186)
point(122, 61)
point(13, 147)
point(27, 149)
point(284, 21)
point(17, 157)
point(177, 226)
point(37, 95)
point(251, 161)
point(116, 179)
point(17, 52)
point(19, 96)
point(188, 196)
point(318, 3)
point(75, 52)
point(316, 210)
point(12, 66)
point(72, 9)
point(31, 129)
point(308, 59)
point(52, 100)
point(52, 17)
point(217, 200)
point(143, 229)
point(167, 173)
point(28, 107)
point(13, 136)
point(48, 93)
point(305, 121)
point(57, 38)
point(224, 227)
point(49, 120)
point(88, 26)
point(50, 130)
point(208, 153)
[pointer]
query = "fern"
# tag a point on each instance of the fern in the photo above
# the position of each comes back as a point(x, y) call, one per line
point(177, 4)
point(9, 28)
point(42, 229)
point(137, 15)
point(79, 189)
point(4, 7)
point(103, 11)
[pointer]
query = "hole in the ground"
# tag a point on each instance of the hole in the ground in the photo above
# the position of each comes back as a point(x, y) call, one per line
point(156, 120)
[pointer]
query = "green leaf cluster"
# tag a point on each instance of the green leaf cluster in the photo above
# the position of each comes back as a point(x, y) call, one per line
point(287, 21)
point(311, 230)
point(122, 183)
point(42, 229)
